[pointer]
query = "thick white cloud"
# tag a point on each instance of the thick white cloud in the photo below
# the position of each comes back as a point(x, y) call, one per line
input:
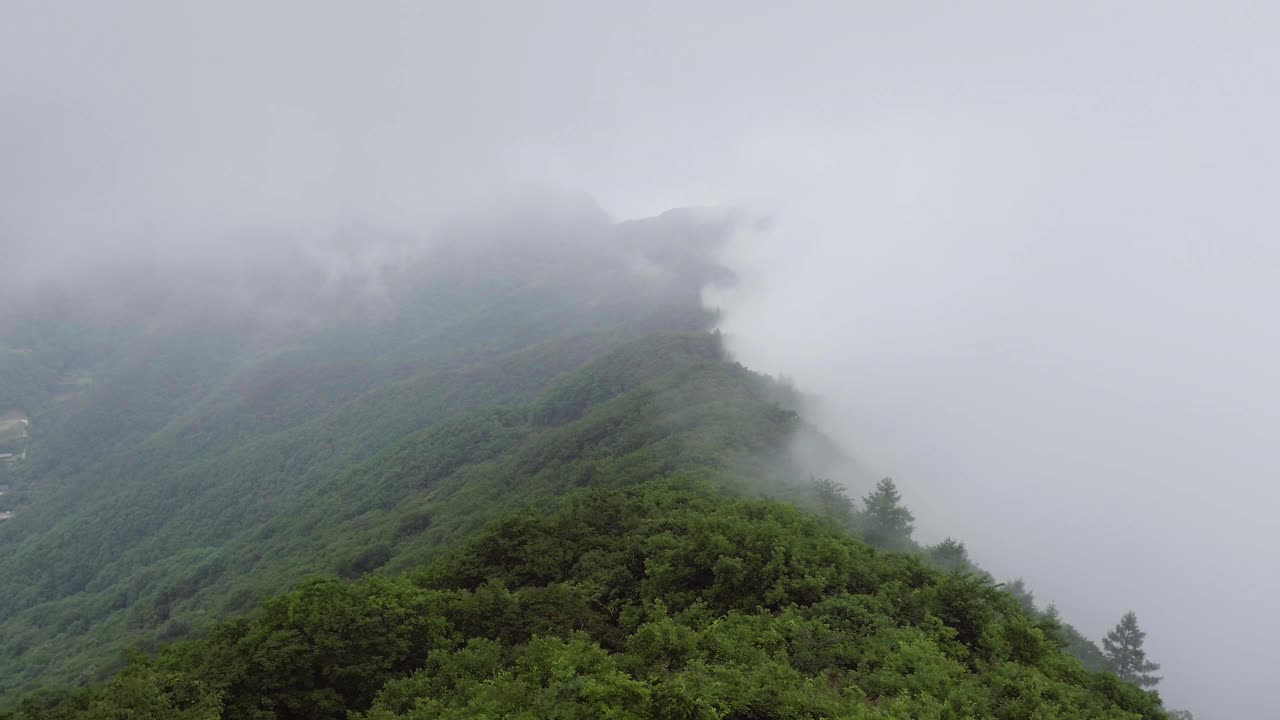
point(1025, 251)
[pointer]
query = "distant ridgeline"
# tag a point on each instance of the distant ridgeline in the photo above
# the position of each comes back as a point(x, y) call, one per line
point(518, 478)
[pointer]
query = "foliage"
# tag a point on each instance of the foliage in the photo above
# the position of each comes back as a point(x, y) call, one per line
point(950, 554)
point(1125, 656)
point(168, 455)
point(183, 472)
point(665, 600)
point(889, 523)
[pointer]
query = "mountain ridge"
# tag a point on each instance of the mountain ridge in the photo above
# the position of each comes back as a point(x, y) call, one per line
point(370, 452)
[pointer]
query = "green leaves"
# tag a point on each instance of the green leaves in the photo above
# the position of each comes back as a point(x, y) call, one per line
point(550, 677)
point(317, 651)
point(1125, 656)
point(889, 523)
point(652, 602)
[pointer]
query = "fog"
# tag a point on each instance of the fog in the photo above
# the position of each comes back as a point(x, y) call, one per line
point(1023, 252)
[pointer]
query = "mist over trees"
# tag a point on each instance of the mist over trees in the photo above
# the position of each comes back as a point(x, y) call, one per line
point(318, 288)
point(1125, 656)
point(527, 474)
point(889, 523)
point(950, 555)
point(650, 602)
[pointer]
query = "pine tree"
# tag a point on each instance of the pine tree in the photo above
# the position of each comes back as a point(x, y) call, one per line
point(1125, 656)
point(889, 522)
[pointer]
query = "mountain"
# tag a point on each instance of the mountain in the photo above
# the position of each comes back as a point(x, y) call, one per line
point(512, 472)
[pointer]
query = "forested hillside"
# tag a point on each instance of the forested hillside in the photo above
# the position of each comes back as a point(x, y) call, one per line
point(516, 474)
point(662, 601)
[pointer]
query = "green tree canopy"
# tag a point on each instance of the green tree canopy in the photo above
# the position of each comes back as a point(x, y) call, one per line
point(1125, 656)
point(950, 554)
point(889, 523)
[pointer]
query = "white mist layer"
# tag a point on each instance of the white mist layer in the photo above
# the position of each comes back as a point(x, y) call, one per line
point(1063, 346)
point(1026, 251)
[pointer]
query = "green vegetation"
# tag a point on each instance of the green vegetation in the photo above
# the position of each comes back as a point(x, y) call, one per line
point(662, 601)
point(1125, 656)
point(538, 489)
point(889, 523)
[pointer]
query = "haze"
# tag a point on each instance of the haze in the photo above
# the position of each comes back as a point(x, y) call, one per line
point(1024, 253)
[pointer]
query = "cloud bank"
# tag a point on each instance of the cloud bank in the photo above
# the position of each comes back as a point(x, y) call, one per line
point(1026, 253)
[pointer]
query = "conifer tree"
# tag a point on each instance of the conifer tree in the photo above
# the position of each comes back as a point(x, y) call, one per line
point(1125, 656)
point(889, 522)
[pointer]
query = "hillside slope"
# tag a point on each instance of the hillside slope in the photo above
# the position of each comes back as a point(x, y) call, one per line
point(536, 487)
point(155, 444)
point(664, 601)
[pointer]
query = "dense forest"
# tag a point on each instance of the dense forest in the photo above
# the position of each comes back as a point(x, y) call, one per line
point(660, 601)
point(518, 477)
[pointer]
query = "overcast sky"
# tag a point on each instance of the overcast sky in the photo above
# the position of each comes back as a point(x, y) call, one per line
point(1024, 251)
